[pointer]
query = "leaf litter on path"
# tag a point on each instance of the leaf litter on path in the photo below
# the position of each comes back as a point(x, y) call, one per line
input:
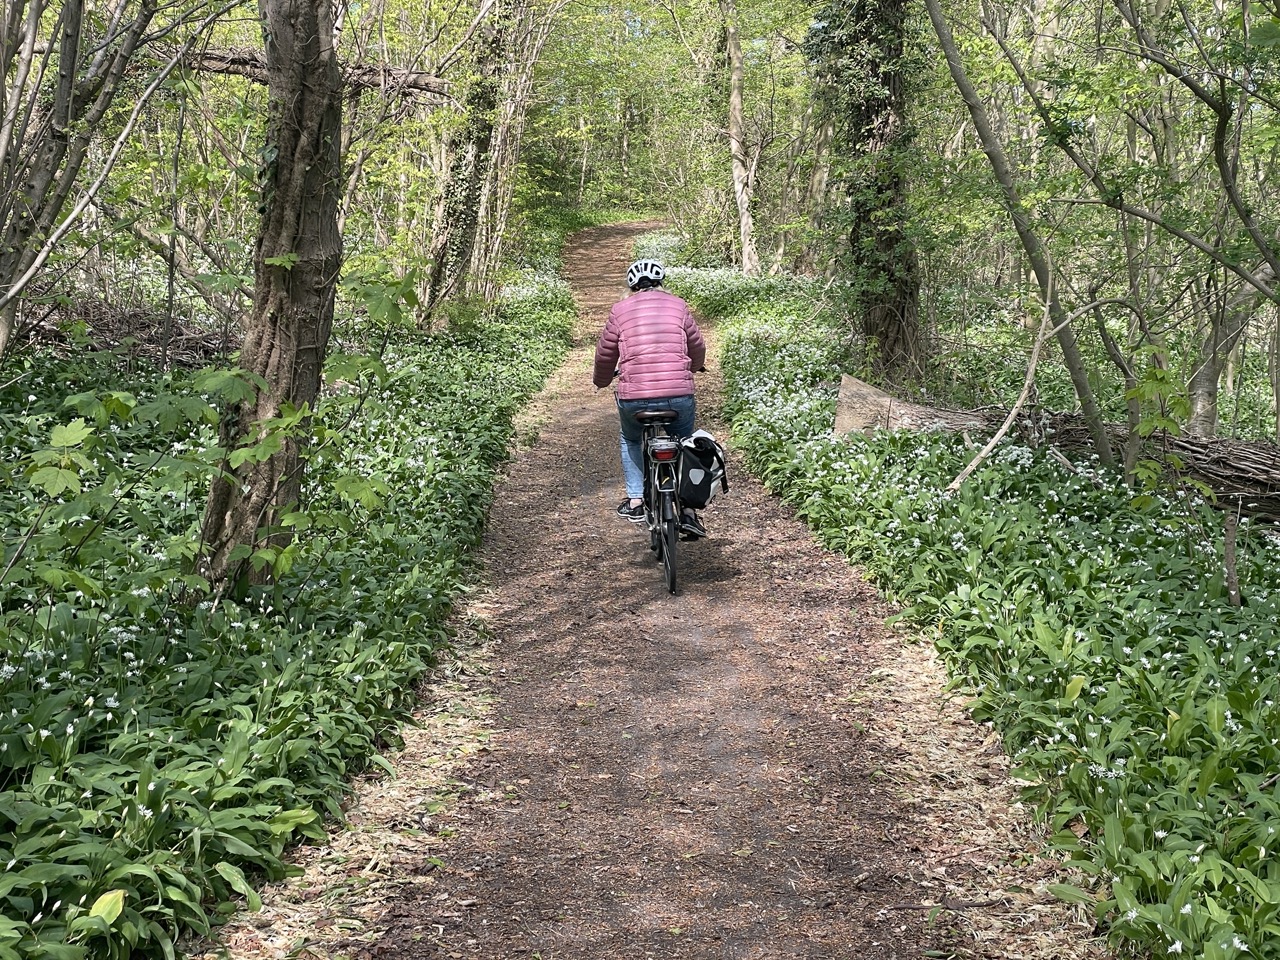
point(756, 768)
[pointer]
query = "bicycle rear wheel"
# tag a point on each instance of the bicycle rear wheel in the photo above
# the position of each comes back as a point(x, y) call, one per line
point(670, 535)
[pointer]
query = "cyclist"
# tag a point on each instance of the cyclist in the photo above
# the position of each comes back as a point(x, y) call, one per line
point(653, 345)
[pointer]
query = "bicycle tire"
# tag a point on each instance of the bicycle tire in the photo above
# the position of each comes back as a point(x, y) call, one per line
point(670, 536)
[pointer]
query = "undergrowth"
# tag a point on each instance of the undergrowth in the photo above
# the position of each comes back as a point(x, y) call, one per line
point(160, 745)
point(1092, 628)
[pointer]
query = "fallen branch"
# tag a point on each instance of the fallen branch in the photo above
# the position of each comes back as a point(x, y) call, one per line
point(396, 80)
point(1243, 475)
point(948, 904)
point(6, 386)
point(1063, 460)
point(1027, 383)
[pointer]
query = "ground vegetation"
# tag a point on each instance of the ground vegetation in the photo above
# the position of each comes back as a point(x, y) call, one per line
point(229, 250)
point(1097, 631)
point(163, 744)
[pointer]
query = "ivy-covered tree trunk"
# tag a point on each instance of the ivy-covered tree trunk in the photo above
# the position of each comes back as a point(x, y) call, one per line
point(298, 256)
point(860, 55)
point(458, 219)
point(528, 26)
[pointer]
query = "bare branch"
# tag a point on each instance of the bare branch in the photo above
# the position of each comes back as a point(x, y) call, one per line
point(1189, 238)
point(91, 192)
point(250, 64)
point(1110, 197)
point(486, 7)
point(698, 62)
point(1027, 383)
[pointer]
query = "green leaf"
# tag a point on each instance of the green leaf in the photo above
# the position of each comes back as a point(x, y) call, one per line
point(1215, 714)
point(1074, 687)
point(1208, 773)
point(1265, 33)
point(71, 434)
point(55, 480)
point(271, 444)
point(286, 821)
point(285, 260)
point(233, 385)
point(119, 404)
point(1125, 899)
point(351, 367)
point(235, 876)
point(109, 906)
point(365, 491)
point(1071, 894)
point(235, 754)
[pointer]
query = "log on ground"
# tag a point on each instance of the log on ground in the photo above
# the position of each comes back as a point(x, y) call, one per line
point(1242, 474)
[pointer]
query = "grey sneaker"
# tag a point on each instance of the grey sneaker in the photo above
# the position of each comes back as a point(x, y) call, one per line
point(628, 512)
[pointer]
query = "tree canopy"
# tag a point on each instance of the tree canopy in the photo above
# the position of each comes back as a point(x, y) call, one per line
point(829, 139)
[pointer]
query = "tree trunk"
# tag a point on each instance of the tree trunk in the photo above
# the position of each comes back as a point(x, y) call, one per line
point(586, 156)
point(862, 62)
point(803, 192)
point(885, 256)
point(815, 197)
point(529, 29)
point(1202, 387)
point(737, 136)
point(298, 255)
point(1226, 326)
point(458, 216)
point(1273, 370)
point(1031, 244)
point(1133, 408)
point(47, 125)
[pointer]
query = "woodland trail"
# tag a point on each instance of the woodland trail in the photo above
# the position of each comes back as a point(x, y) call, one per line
point(757, 768)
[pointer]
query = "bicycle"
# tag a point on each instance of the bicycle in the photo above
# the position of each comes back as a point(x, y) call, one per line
point(661, 489)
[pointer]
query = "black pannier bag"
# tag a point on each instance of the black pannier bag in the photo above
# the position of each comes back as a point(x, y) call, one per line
point(702, 474)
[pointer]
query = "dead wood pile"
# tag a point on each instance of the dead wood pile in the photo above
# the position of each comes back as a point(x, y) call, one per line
point(1242, 474)
point(133, 331)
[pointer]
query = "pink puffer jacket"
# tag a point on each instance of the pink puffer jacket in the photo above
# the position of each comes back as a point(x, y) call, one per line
point(652, 340)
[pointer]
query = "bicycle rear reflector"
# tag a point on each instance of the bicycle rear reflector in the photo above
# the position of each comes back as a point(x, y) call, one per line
point(664, 450)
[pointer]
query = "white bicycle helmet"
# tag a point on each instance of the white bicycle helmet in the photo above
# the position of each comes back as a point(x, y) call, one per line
point(644, 270)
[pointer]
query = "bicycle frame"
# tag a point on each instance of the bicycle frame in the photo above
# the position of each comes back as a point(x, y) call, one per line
point(661, 495)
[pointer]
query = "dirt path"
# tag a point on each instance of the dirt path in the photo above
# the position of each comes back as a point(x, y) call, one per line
point(755, 769)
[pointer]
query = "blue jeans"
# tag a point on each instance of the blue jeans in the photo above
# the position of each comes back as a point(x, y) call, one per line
point(633, 435)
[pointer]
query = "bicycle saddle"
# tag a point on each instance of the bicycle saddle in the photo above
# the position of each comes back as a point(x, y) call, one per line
point(656, 416)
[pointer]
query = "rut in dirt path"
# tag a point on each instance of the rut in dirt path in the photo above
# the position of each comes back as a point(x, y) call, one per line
point(714, 775)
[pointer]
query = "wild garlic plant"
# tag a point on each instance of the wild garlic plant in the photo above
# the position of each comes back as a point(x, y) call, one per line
point(1093, 629)
point(161, 745)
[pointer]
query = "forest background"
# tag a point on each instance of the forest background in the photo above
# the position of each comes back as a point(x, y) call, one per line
point(273, 281)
